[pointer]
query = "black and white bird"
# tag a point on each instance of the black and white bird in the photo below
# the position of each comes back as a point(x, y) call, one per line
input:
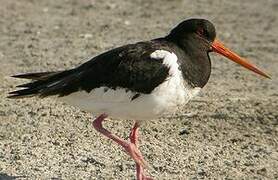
point(140, 81)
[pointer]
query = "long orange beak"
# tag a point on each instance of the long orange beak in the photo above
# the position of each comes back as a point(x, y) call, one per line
point(218, 47)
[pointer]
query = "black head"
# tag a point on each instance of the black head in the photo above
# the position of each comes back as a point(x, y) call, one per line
point(200, 30)
point(196, 38)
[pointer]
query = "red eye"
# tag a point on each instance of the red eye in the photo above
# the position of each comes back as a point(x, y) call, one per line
point(200, 31)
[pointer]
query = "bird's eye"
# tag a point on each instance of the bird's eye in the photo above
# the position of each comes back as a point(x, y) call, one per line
point(200, 32)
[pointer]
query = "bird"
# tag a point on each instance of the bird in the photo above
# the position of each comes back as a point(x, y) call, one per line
point(139, 82)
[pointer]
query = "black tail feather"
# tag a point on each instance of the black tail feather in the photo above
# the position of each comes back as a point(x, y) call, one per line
point(22, 93)
point(44, 84)
point(35, 76)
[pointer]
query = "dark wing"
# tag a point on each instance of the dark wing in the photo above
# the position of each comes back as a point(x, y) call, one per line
point(129, 67)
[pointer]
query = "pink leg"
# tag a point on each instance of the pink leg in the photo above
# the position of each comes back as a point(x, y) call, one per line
point(133, 136)
point(134, 139)
point(130, 148)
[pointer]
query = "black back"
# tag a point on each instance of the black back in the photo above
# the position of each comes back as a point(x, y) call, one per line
point(128, 67)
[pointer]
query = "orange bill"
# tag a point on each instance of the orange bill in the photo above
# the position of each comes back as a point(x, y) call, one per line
point(219, 48)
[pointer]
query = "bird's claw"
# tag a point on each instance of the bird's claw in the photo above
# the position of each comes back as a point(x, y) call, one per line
point(132, 150)
point(147, 178)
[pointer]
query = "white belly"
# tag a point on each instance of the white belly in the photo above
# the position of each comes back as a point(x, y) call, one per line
point(165, 99)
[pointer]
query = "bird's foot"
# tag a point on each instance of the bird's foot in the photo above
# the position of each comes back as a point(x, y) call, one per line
point(144, 177)
point(140, 173)
point(135, 154)
point(147, 178)
point(129, 147)
point(134, 140)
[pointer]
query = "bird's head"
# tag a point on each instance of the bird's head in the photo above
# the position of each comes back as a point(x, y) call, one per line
point(202, 33)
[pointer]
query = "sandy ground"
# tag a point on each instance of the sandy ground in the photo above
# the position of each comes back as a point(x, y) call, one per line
point(231, 132)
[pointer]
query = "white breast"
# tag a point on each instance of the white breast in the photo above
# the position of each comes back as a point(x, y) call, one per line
point(118, 103)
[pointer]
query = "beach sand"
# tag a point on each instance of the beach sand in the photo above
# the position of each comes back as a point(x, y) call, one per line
point(229, 132)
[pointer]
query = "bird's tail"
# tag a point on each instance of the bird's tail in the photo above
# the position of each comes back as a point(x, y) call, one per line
point(43, 84)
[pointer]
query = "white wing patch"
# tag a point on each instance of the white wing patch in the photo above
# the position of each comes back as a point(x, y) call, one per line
point(169, 59)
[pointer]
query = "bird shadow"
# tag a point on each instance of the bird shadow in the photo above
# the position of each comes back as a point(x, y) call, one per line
point(4, 176)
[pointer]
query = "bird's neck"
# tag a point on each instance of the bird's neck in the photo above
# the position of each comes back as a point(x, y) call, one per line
point(194, 61)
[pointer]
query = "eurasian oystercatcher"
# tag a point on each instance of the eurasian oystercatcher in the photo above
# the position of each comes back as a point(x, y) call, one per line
point(140, 81)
